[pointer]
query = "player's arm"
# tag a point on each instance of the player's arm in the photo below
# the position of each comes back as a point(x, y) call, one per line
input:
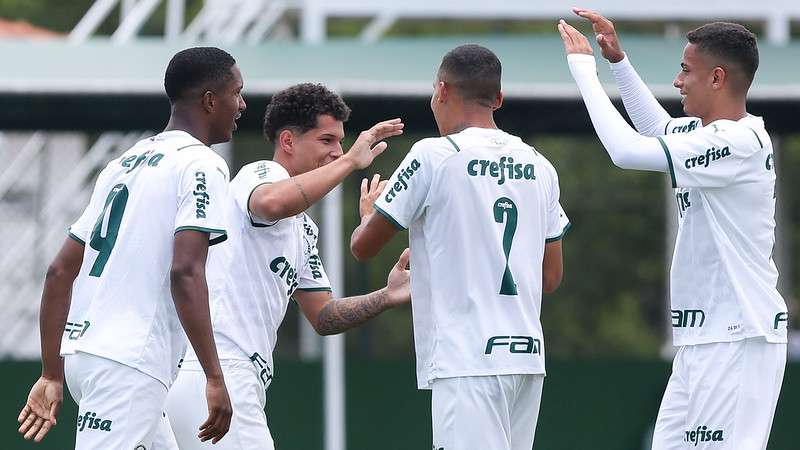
point(332, 316)
point(375, 230)
point(648, 116)
point(44, 401)
point(627, 148)
point(292, 196)
point(190, 295)
point(552, 267)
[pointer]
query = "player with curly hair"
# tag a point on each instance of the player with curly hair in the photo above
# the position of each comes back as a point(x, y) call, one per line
point(273, 248)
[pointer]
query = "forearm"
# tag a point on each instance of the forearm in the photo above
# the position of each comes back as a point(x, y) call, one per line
point(190, 295)
point(647, 114)
point(345, 313)
point(53, 314)
point(294, 195)
point(627, 148)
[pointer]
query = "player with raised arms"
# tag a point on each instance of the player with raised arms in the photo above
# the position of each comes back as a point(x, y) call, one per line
point(485, 229)
point(137, 257)
point(728, 319)
point(272, 258)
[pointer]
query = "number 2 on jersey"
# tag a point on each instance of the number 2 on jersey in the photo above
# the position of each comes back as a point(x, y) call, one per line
point(104, 233)
point(505, 210)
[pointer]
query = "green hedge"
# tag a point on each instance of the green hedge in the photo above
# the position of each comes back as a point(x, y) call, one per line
point(587, 404)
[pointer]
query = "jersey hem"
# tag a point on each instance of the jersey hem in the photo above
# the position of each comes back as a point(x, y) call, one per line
point(102, 354)
point(560, 236)
point(315, 289)
point(223, 235)
point(768, 339)
point(76, 238)
point(481, 373)
point(250, 213)
point(389, 218)
point(669, 161)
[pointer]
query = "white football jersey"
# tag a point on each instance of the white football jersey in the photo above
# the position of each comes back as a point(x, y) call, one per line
point(253, 276)
point(122, 307)
point(723, 278)
point(480, 206)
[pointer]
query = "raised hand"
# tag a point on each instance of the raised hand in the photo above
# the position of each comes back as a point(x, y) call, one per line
point(398, 285)
point(369, 143)
point(604, 33)
point(370, 191)
point(574, 41)
point(40, 411)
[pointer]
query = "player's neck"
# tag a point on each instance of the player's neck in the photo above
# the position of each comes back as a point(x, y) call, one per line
point(282, 159)
point(476, 120)
point(727, 110)
point(184, 122)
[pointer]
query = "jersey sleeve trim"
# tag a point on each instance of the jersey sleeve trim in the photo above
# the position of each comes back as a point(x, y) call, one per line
point(560, 236)
point(315, 289)
point(758, 138)
point(223, 235)
point(669, 161)
point(190, 145)
point(458, 149)
point(250, 214)
point(389, 218)
point(76, 238)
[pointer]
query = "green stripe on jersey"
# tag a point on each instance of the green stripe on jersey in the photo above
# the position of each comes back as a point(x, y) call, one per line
point(560, 236)
point(759, 139)
point(669, 161)
point(316, 289)
point(389, 218)
point(219, 239)
point(454, 143)
point(76, 238)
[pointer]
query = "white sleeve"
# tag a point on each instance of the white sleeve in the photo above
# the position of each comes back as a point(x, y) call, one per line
point(403, 198)
point(557, 220)
point(249, 178)
point(627, 148)
point(648, 116)
point(710, 157)
point(202, 198)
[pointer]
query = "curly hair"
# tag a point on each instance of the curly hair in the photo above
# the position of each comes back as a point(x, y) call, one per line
point(298, 107)
point(730, 43)
point(196, 68)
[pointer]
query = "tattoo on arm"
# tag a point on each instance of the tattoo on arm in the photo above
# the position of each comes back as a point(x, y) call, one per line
point(302, 192)
point(345, 313)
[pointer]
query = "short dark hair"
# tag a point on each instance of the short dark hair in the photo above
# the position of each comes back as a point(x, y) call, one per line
point(731, 43)
point(474, 71)
point(298, 107)
point(197, 68)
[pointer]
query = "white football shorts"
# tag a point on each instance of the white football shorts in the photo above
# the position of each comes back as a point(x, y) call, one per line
point(721, 396)
point(118, 406)
point(497, 412)
point(187, 408)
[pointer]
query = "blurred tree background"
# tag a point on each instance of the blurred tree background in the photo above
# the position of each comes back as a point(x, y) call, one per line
point(613, 298)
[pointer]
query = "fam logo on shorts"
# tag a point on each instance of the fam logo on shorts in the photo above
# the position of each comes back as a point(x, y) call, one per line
point(703, 434)
point(90, 421)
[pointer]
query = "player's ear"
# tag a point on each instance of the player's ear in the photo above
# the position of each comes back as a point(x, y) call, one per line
point(498, 101)
point(443, 92)
point(208, 101)
point(286, 141)
point(718, 77)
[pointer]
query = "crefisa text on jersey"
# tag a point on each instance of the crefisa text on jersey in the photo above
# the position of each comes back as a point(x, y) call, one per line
point(200, 194)
point(712, 154)
point(502, 170)
point(401, 185)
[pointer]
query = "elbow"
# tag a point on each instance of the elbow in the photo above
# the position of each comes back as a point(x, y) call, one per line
point(181, 274)
point(551, 282)
point(361, 252)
